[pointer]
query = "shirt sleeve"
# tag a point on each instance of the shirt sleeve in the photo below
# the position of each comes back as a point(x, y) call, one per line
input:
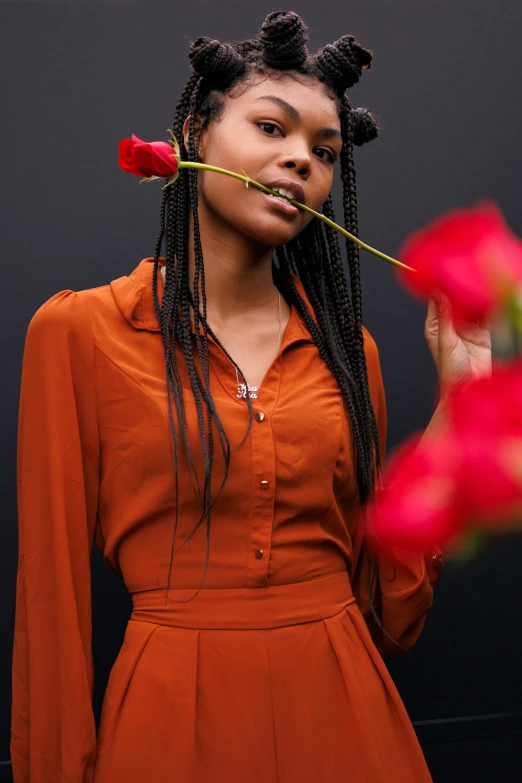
point(403, 592)
point(53, 734)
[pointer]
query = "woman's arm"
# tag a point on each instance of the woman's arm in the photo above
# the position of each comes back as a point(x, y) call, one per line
point(53, 733)
point(403, 591)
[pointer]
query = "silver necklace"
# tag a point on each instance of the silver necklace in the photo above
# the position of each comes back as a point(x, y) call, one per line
point(253, 390)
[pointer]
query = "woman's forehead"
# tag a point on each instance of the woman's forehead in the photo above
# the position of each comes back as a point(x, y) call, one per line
point(300, 96)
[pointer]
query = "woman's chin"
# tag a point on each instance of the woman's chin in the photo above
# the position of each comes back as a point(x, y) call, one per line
point(268, 233)
point(265, 230)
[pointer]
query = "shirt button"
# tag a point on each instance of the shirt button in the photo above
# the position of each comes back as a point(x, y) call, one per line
point(259, 554)
point(260, 416)
point(264, 484)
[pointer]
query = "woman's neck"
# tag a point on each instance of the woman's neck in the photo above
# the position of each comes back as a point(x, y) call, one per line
point(238, 270)
point(232, 294)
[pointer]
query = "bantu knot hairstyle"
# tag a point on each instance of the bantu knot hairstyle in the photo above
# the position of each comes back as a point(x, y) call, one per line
point(364, 127)
point(216, 61)
point(283, 38)
point(342, 62)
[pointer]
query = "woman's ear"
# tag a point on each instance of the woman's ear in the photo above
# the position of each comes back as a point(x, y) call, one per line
point(197, 126)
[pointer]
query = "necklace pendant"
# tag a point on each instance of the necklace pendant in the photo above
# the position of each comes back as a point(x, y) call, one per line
point(242, 391)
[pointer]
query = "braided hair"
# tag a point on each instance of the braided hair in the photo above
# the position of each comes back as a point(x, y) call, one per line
point(314, 255)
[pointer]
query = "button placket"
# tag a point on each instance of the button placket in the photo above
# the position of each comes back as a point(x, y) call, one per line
point(263, 475)
point(263, 449)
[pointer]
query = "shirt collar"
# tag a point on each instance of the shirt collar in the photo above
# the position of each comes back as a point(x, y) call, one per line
point(133, 296)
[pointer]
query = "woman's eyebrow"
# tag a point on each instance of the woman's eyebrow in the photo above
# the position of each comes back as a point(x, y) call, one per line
point(326, 133)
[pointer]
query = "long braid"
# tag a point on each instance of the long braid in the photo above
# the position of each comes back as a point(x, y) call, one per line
point(339, 286)
point(350, 217)
point(202, 344)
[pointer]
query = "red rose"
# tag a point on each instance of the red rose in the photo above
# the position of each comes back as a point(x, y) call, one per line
point(147, 159)
point(486, 421)
point(469, 254)
point(418, 506)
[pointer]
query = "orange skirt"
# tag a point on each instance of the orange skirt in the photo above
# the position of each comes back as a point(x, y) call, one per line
point(257, 685)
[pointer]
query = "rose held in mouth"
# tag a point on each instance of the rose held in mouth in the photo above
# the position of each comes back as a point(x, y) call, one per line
point(168, 164)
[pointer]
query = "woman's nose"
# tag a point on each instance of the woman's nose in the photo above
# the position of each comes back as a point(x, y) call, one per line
point(300, 162)
point(303, 167)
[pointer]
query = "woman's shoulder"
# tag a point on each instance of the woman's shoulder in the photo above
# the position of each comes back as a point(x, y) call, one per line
point(64, 310)
point(74, 311)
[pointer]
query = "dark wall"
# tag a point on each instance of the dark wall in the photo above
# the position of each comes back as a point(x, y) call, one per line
point(79, 76)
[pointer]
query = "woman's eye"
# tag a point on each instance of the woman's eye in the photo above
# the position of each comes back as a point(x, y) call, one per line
point(269, 125)
point(328, 154)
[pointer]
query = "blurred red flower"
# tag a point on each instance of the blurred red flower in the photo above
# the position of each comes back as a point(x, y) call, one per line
point(469, 476)
point(418, 506)
point(486, 424)
point(469, 254)
point(147, 159)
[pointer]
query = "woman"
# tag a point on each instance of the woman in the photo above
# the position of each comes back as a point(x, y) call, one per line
point(215, 421)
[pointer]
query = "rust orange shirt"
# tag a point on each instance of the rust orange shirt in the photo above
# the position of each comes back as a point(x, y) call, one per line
point(95, 462)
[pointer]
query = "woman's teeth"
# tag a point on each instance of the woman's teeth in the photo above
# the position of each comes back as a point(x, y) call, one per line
point(283, 192)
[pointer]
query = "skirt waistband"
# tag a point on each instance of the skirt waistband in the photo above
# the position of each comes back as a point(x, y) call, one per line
point(246, 608)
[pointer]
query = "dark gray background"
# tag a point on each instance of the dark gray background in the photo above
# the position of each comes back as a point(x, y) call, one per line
point(77, 76)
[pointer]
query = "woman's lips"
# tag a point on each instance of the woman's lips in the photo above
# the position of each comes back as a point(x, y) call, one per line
point(281, 204)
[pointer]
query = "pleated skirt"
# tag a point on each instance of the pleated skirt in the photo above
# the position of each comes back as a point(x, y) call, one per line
point(257, 685)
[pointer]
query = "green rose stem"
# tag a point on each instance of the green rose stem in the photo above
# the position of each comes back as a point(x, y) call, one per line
point(514, 318)
point(246, 179)
point(184, 164)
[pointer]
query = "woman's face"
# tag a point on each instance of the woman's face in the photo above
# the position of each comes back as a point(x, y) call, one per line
point(272, 130)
